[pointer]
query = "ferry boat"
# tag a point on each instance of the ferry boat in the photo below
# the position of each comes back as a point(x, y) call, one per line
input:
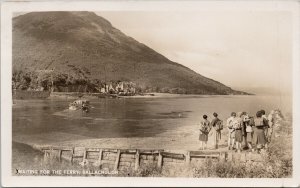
point(80, 104)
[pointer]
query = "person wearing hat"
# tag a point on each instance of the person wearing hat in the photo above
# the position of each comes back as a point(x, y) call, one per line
point(266, 127)
point(237, 125)
point(216, 133)
point(249, 131)
point(259, 137)
point(231, 131)
point(204, 130)
point(246, 120)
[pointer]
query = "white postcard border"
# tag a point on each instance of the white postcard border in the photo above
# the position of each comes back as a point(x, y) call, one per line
point(8, 8)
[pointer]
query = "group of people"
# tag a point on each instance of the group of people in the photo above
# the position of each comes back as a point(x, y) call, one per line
point(244, 131)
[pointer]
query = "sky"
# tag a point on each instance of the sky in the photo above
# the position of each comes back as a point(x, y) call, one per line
point(241, 49)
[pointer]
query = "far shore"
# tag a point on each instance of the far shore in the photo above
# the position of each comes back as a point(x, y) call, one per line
point(74, 95)
point(23, 95)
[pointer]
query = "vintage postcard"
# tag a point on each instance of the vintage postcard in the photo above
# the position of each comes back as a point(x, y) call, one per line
point(150, 93)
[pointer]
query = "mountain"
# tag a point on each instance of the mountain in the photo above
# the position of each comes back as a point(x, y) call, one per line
point(85, 45)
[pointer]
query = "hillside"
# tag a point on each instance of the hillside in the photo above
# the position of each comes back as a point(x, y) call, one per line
point(85, 46)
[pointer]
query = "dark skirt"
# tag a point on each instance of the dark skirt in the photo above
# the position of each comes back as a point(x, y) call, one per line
point(238, 135)
point(203, 137)
point(259, 137)
point(249, 137)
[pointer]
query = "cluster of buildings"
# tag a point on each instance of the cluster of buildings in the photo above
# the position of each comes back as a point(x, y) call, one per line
point(120, 88)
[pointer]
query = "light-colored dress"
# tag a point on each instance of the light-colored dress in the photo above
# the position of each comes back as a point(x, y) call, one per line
point(231, 131)
point(249, 130)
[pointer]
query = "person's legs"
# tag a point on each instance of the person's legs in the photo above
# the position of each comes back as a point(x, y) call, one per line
point(245, 143)
point(233, 142)
point(249, 145)
point(229, 140)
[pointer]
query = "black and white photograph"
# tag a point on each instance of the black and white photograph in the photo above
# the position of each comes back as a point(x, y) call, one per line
point(162, 90)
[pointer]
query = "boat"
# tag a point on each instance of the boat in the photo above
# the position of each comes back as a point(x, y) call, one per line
point(80, 104)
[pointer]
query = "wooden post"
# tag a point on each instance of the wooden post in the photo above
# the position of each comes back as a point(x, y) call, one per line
point(84, 155)
point(45, 155)
point(59, 155)
point(51, 152)
point(160, 160)
point(188, 158)
point(137, 160)
point(117, 160)
point(100, 157)
point(222, 156)
point(72, 156)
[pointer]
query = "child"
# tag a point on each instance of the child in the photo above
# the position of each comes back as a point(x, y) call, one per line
point(204, 130)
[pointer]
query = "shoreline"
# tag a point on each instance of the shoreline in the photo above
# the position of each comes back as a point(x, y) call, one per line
point(26, 95)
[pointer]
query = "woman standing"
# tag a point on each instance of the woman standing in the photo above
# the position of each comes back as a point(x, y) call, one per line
point(231, 131)
point(204, 130)
point(259, 137)
point(216, 125)
point(238, 123)
point(249, 132)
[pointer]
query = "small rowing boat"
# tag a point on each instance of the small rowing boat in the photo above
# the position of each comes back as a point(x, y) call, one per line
point(80, 104)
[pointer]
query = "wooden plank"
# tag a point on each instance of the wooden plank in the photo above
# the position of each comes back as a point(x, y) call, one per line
point(193, 153)
point(62, 148)
point(150, 152)
point(45, 148)
point(56, 148)
point(111, 150)
point(137, 160)
point(204, 156)
point(172, 155)
point(92, 149)
point(160, 160)
point(117, 160)
point(128, 151)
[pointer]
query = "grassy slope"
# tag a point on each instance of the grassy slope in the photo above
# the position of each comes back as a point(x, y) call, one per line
point(88, 46)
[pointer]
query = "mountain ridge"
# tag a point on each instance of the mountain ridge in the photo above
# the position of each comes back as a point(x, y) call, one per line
point(87, 46)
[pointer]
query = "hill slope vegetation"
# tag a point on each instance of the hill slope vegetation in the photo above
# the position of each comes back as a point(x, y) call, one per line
point(83, 48)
